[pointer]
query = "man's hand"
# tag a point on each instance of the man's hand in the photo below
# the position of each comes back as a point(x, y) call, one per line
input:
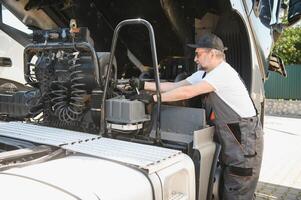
point(137, 83)
point(144, 97)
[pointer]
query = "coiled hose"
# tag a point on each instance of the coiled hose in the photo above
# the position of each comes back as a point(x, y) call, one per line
point(69, 96)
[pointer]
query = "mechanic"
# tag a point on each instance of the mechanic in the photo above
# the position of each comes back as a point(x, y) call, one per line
point(230, 108)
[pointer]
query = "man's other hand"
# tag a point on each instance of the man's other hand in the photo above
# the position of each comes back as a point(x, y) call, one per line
point(137, 83)
point(145, 98)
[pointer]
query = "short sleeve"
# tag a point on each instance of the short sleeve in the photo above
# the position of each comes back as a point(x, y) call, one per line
point(230, 88)
point(195, 77)
point(219, 78)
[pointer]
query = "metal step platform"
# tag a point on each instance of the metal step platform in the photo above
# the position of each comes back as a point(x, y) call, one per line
point(146, 157)
point(42, 134)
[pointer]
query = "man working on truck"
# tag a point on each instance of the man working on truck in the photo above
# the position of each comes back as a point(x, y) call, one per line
point(230, 108)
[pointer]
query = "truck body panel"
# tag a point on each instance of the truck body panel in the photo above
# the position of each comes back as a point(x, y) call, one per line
point(80, 136)
point(85, 178)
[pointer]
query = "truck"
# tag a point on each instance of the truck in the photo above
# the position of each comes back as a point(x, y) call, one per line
point(68, 129)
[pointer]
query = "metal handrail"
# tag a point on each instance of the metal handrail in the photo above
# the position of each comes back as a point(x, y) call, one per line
point(155, 66)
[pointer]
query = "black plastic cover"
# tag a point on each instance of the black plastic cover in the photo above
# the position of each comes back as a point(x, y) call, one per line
point(15, 105)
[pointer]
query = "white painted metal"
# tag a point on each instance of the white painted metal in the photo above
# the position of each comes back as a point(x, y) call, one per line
point(203, 143)
point(177, 179)
point(13, 50)
point(85, 177)
point(20, 188)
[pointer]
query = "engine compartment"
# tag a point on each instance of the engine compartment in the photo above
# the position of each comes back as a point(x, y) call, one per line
point(69, 82)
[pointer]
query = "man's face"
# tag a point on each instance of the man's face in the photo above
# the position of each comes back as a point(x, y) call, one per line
point(202, 58)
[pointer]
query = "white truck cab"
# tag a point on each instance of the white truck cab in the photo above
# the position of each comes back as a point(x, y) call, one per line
point(69, 130)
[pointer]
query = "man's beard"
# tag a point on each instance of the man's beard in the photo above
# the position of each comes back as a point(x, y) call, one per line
point(200, 67)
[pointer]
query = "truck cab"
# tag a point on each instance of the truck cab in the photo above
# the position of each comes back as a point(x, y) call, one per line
point(69, 130)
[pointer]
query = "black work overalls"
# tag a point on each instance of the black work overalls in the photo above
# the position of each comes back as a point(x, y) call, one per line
point(242, 145)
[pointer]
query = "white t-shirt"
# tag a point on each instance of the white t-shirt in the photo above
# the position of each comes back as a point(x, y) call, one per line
point(229, 87)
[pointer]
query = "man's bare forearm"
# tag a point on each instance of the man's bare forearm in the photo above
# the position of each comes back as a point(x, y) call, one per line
point(164, 87)
point(186, 92)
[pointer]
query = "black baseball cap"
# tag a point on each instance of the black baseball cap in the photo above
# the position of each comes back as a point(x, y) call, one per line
point(209, 40)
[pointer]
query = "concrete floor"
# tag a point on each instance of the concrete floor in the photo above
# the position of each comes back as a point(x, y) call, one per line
point(280, 176)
